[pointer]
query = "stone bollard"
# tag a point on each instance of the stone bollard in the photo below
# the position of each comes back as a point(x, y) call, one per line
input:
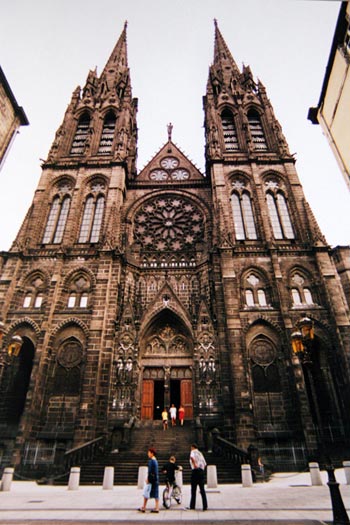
point(346, 465)
point(315, 474)
point(179, 478)
point(141, 477)
point(108, 478)
point(74, 478)
point(6, 479)
point(212, 478)
point(247, 480)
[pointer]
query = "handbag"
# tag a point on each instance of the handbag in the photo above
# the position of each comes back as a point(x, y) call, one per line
point(147, 490)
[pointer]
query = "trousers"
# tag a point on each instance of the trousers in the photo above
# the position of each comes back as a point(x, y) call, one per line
point(197, 480)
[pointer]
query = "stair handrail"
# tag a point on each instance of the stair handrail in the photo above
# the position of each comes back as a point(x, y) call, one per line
point(85, 452)
point(229, 450)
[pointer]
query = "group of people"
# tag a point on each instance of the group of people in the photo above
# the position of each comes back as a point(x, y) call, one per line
point(151, 490)
point(173, 415)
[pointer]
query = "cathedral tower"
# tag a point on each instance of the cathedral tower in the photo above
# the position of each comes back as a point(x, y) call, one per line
point(134, 290)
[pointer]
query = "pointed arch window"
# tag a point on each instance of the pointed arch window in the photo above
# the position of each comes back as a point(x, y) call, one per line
point(301, 290)
point(56, 221)
point(255, 291)
point(243, 217)
point(229, 131)
point(279, 216)
point(81, 135)
point(92, 219)
point(256, 130)
point(107, 135)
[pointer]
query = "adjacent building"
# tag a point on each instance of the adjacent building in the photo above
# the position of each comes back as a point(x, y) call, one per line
point(332, 111)
point(133, 290)
point(12, 117)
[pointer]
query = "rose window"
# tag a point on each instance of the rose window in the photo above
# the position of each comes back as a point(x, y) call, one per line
point(168, 224)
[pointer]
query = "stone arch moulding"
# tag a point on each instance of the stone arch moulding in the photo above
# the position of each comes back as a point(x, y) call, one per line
point(72, 321)
point(160, 304)
point(79, 270)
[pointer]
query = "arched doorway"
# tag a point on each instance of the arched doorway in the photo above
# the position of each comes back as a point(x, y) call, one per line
point(15, 384)
point(167, 360)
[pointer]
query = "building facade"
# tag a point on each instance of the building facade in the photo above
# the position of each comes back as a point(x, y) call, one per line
point(332, 111)
point(134, 290)
point(12, 117)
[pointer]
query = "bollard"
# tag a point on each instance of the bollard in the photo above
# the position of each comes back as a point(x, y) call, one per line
point(108, 478)
point(315, 474)
point(6, 479)
point(179, 478)
point(212, 478)
point(74, 478)
point(247, 480)
point(346, 465)
point(141, 477)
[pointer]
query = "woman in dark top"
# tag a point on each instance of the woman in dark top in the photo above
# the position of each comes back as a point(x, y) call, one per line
point(152, 482)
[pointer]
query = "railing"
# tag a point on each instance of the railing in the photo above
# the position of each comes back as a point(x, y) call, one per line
point(223, 447)
point(84, 453)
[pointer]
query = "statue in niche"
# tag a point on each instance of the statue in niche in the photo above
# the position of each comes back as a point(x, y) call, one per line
point(120, 370)
point(202, 369)
point(128, 370)
point(211, 369)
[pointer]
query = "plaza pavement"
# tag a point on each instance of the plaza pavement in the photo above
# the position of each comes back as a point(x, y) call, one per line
point(288, 498)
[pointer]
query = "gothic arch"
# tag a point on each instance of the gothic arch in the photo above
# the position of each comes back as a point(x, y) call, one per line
point(161, 304)
point(94, 177)
point(60, 180)
point(22, 322)
point(263, 320)
point(75, 272)
point(72, 321)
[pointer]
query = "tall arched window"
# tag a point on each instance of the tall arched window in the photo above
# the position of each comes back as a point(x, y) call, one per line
point(92, 219)
point(279, 216)
point(107, 136)
point(256, 130)
point(81, 134)
point(243, 217)
point(229, 131)
point(56, 221)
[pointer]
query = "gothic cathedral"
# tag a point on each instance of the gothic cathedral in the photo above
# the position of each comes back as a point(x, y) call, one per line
point(135, 290)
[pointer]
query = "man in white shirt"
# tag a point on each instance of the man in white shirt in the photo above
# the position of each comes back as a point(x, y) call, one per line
point(198, 465)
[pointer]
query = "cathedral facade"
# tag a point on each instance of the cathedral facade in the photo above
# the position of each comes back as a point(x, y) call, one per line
point(135, 290)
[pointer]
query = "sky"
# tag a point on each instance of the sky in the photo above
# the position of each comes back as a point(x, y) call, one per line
point(49, 46)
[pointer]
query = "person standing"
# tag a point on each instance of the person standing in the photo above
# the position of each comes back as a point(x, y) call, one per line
point(181, 415)
point(173, 415)
point(152, 482)
point(165, 418)
point(198, 465)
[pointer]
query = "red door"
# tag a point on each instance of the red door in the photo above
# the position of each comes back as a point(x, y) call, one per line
point(186, 397)
point(147, 399)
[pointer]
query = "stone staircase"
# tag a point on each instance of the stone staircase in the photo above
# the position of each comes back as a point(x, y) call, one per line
point(174, 441)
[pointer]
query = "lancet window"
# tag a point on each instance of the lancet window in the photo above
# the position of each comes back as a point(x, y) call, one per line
point(57, 219)
point(229, 131)
point(256, 130)
point(242, 210)
point(107, 136)
point(81, 135)
point(91, 224)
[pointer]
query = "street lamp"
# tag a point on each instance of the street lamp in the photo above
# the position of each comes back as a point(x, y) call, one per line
point(13, 348)
point(302, 344)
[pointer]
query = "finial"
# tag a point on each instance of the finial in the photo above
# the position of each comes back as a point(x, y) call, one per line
point(170, 130)
point(215, 23)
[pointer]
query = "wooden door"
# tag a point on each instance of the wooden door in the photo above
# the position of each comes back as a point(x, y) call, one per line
point(186, 397)
point(147, 399)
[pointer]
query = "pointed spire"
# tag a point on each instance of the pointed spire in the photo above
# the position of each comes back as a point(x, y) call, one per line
point(222, 54)
point(119, 54)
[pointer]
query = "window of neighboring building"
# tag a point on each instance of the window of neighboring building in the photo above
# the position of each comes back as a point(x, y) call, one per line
point(256, 130)
point(81, 135)
point(229, 131)
point(107, 136)
point(56, 221)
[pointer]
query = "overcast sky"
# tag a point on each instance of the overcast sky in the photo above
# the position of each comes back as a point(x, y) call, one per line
point(48, 46)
